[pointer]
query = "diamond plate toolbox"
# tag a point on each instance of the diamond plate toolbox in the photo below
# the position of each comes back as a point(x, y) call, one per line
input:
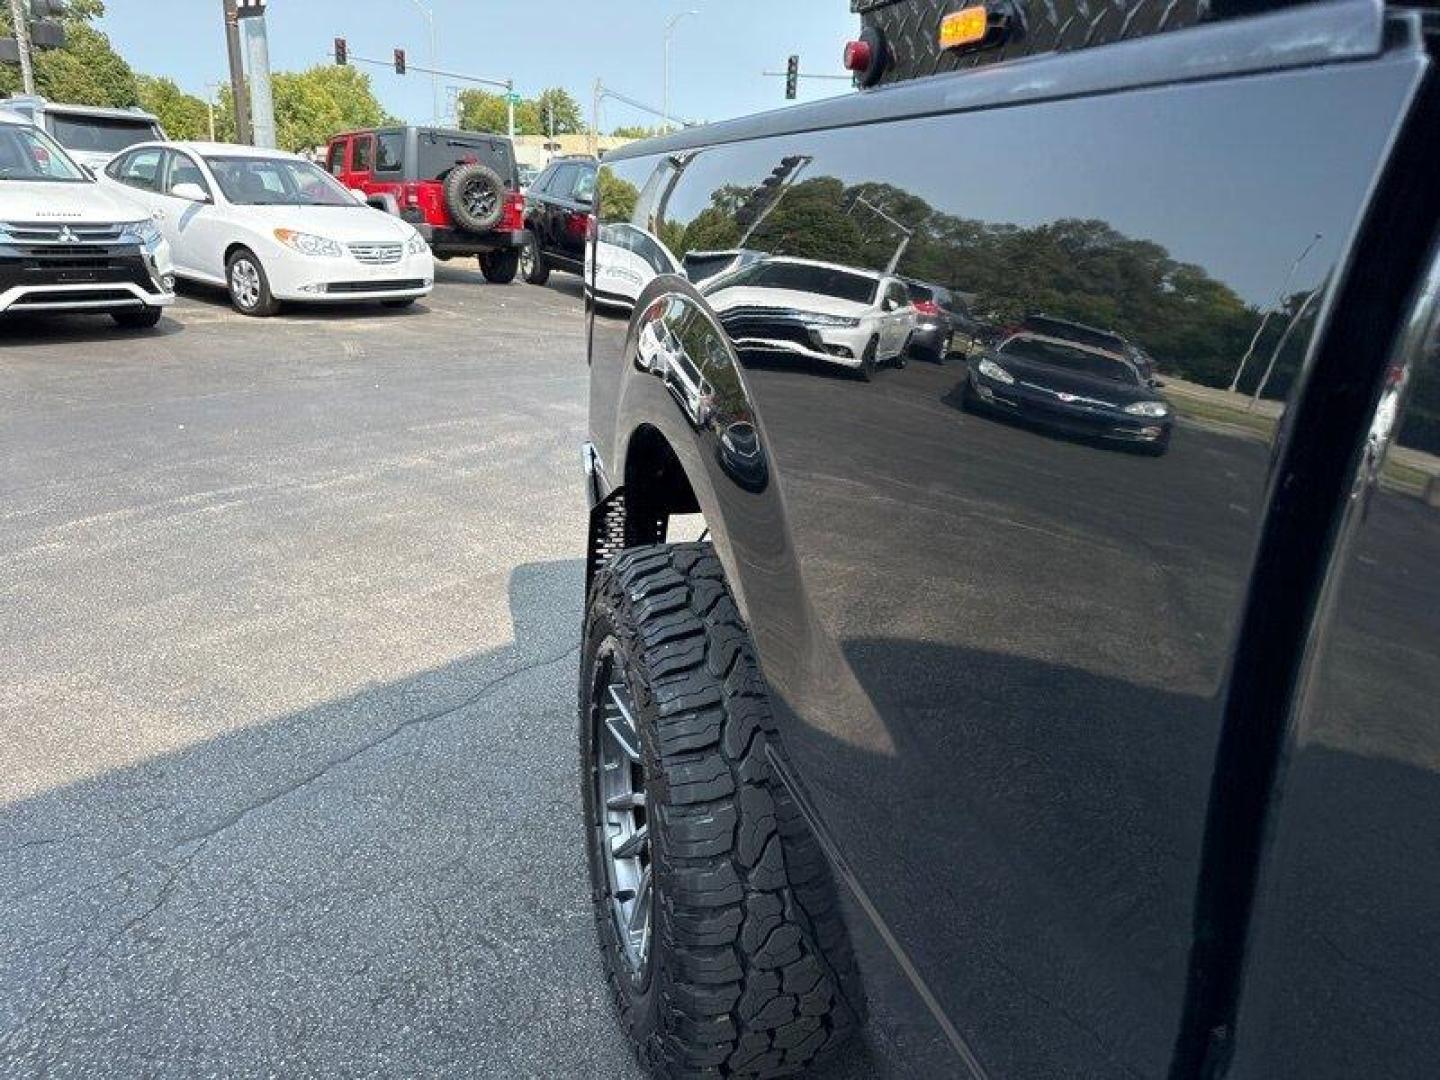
point(911, 28)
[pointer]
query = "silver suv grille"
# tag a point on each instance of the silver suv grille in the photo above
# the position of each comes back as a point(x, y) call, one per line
point(64, 233)
point(377, 254)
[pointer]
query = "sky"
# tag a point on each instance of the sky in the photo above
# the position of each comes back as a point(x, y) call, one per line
point(717, 54)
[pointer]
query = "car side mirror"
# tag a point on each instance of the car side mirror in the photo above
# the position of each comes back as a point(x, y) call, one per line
point(193, 192)
point(889, 305)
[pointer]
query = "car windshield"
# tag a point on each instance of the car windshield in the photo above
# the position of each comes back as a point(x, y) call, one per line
point(101, 134)
point(254, 181)
point(1070, 331)
point(1081, 361)
point(833, 281)
point(27, 153)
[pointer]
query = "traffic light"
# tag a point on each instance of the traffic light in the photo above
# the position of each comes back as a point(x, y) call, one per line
point(792, 78)
point(46, 29)
point(399, 61)
point(342, 52)
point(768, 192)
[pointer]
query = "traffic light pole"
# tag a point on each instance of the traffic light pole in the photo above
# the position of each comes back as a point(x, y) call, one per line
point(508, 85)
point(238, 96)
point(21, 22)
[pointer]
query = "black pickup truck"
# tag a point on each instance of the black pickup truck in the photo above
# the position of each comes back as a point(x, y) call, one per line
point(972, 739)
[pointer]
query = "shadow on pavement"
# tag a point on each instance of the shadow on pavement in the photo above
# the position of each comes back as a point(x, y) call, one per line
point(391, 883)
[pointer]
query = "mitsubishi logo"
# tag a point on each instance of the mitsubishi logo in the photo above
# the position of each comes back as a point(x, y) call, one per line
point(67, 236)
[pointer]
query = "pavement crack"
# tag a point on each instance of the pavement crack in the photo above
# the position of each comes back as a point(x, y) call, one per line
point(302, 782)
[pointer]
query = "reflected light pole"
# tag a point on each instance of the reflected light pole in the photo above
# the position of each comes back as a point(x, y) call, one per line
point(669, 32)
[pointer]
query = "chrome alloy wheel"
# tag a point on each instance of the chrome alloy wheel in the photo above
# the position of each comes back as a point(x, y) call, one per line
point(622, 831)
point(245, 283)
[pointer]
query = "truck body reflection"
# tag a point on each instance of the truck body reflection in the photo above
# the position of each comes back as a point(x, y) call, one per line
point(855, 319)
point(1071, 388)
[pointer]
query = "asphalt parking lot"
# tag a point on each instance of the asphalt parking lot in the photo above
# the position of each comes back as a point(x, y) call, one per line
point(291, 611)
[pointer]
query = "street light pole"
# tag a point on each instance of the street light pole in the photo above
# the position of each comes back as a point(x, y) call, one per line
point(434, 62)
point(669, 31)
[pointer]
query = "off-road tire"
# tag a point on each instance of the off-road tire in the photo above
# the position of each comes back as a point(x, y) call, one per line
point(143, 319)
point(469, 214)
point(500, 267)
point(533, 264)
point(749, 971)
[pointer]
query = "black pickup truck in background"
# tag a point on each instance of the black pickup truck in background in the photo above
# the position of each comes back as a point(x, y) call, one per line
point(978, 743)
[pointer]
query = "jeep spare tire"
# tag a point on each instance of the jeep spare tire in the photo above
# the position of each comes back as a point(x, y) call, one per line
point(475, 197)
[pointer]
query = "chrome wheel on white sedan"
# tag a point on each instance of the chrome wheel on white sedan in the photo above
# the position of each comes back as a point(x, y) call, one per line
point(249, 288)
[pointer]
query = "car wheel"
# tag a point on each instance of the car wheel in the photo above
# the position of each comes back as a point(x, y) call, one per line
point(500, 267)
point(717, 917)
point(408, 301)
point(533, 267)
point(143, 319)
point(249, 287)
point(867, 359)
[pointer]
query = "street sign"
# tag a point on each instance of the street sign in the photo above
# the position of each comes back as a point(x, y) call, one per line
point(513, 98)
point(249, 9)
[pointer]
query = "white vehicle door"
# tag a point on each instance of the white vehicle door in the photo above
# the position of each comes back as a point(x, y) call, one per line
point(142, 172)
point(197, 231)
point(894, 318)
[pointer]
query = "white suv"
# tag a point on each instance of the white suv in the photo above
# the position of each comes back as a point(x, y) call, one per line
point(67, 244)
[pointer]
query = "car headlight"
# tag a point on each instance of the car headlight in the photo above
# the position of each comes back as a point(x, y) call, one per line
point(308, 244)
point(839, 321)
point(991, 370)
point(145, 233)
point(416, 245)
point(1153, 409)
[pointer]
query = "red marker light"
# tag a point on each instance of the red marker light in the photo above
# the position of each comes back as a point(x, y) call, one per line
point(858, 55)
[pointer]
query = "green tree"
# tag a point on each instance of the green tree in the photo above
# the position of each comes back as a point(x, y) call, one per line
point(313, 105)
point(182, 115)
point(635, 131)
point(556, 106)
point(87, 71)
point(481, 110)
point(617, 197)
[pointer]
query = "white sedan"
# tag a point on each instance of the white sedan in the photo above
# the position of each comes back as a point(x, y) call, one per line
point(270, 227)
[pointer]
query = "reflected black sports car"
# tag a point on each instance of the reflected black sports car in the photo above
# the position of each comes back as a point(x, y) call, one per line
point(1068, 387)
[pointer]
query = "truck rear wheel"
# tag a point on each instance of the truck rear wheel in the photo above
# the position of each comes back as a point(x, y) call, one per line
point(718, 922)
point(500, 267)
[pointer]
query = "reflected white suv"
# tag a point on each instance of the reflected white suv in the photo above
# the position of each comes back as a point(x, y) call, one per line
point(67, 244)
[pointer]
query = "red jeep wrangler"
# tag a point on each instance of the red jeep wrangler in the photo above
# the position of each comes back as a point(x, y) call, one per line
point(459, 188)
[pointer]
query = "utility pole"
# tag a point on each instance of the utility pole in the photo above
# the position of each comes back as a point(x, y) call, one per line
point(595, 120)
point(238, 95)
point(510, 109)
point(21, 20)
point(1280, 299)
point(262, 102)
